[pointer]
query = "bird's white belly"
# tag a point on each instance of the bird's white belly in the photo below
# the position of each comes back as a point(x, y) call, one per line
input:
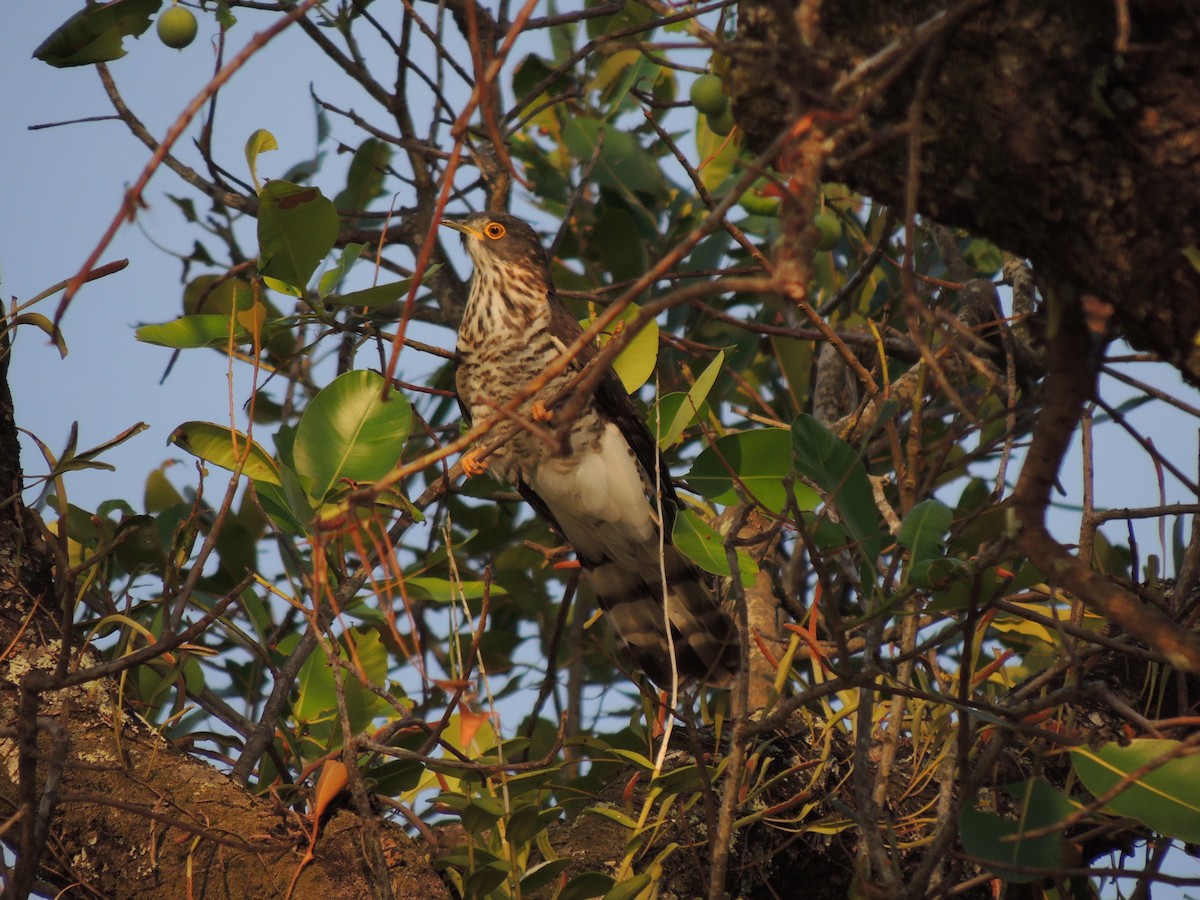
point(597, 496)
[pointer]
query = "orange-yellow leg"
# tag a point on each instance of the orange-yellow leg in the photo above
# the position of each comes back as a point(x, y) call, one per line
point(540, 413)
point(472, 465)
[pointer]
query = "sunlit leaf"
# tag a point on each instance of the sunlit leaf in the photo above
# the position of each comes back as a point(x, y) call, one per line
point(636, 362)
point(261, 141)
point(224, 447)
point(189, 332)
point(760, 459)
point(697, 540)
point(350, 432)
point(692, 402)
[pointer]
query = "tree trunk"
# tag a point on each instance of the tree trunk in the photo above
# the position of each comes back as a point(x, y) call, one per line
point(1067, 132)
point(98, 800)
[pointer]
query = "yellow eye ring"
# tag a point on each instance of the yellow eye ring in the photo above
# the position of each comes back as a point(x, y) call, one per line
point(494, 230)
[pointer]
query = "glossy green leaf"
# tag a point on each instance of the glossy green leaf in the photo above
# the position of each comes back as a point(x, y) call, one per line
point(350, 432)
point(95, 34)
point(834, 466)
point(189, 332)
point(623, 165)
point(762, 461)
point(692, 402)
point(297, 227)
point(630, 888)
point(1165, 800)
point(698, 541)
point(986, 835)
point(222, 446)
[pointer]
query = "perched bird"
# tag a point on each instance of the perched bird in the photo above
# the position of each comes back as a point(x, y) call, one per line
point(603, 490)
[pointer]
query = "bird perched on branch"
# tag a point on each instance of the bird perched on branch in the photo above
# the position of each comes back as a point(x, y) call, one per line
point(604, 487)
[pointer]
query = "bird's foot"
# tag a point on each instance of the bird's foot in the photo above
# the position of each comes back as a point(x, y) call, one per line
point(472, 465)
point(540, 413)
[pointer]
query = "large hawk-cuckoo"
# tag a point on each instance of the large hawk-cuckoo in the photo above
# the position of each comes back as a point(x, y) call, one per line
point(604, 490)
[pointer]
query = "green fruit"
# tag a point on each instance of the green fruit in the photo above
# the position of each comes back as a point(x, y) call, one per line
point(708, 96)
point(829, 226)
point(721, 124)
point(759, 203)
point(177, 27)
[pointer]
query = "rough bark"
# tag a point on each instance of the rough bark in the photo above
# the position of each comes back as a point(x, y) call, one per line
point(1059, 130)
point(110, 807)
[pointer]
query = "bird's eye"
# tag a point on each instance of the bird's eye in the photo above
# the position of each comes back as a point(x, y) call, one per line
point(494, 230)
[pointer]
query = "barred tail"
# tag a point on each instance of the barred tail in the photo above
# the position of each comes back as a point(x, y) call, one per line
point(703, 636)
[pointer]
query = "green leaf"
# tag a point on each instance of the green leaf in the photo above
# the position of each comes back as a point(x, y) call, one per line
point(718, 155)
point(441, 590)
point(371, 653)
point(630, 888)
point(332, 277)
point(833, 465)
point(925, 528)
point(364, 181)
point(189, 332)
point(261, 141)
point(706, 547)
point(316, 695)
point(523, 825)
point(693, 400)
point(350, 432)
point(636, 362)
point(1039, 805)
point(95, 33)
point(222, 446)
point(542, 874)
point(587, 886)
point(1165, 800)
point(762, 461)
point(380, 295)
point(624, 165)
point(297, 227)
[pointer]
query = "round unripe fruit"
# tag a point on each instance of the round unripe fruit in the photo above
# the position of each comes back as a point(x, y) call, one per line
point(177, 27)
point(721, 124)
point(759, 203)
point(829, 227)
point(707, 96)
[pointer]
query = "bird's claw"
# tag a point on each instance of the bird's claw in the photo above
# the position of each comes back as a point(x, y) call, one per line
point(540, 413)
point(472, 465)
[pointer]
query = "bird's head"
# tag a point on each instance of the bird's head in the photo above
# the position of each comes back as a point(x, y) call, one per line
point(498, 240)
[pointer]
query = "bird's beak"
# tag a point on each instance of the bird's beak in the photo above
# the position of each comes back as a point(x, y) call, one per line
point(460, 226)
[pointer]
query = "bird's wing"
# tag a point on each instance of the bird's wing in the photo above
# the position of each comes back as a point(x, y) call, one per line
point(617, 406)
